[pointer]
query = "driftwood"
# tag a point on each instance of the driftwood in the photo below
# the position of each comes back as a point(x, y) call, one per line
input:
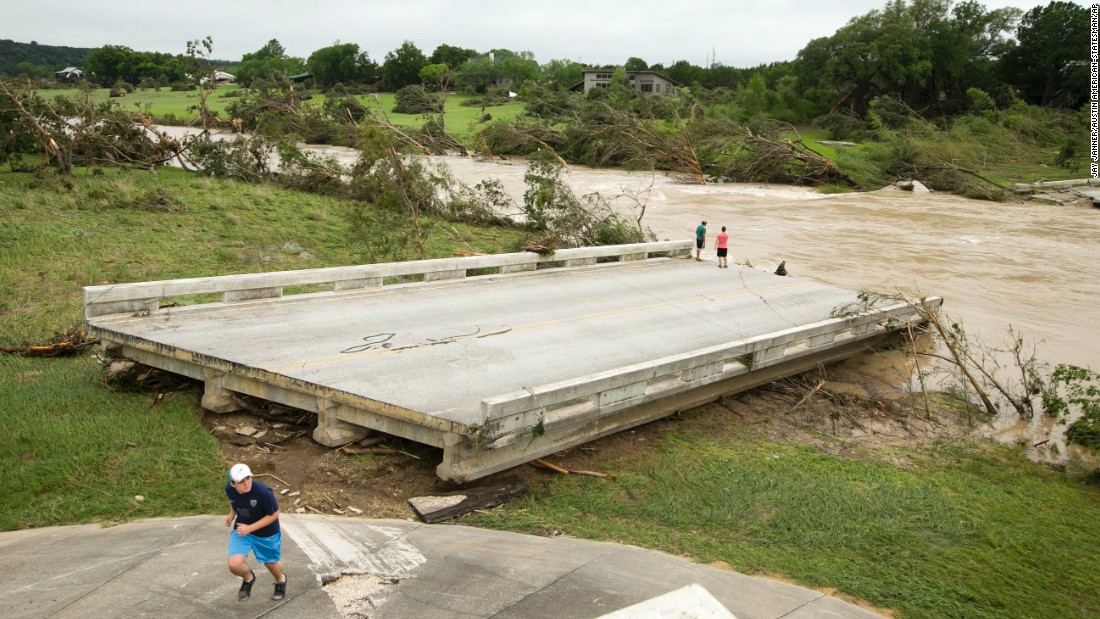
point(440, 507)
point(808, 395)
point(69, 343)
point(564, 471)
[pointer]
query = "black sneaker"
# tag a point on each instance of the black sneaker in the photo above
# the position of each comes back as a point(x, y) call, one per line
point(280, 589)
point(246, 588)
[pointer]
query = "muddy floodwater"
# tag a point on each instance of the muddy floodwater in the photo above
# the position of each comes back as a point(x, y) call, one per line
point(1030, 267)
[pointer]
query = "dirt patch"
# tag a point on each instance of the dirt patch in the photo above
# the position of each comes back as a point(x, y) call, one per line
point(856, 405)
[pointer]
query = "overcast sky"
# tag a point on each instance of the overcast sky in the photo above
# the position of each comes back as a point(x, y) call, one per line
point(740, 33)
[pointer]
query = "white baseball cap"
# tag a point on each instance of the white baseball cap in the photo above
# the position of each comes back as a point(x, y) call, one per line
point(239, 472)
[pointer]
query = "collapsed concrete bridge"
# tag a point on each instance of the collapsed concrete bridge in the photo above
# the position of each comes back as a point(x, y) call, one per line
point(498, 359)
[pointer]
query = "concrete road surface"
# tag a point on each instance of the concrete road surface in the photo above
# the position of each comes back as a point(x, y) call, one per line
point(376, 568)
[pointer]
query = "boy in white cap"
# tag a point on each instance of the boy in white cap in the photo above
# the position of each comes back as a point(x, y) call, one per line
point(253, 505)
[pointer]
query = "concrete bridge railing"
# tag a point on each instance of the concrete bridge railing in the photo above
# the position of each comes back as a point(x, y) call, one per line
point(146, 297)
point(508, 417)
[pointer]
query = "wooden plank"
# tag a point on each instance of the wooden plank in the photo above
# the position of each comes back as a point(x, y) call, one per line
point(440, 507)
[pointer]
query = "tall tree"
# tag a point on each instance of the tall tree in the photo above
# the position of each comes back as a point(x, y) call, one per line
point(342, 63)
point(269, 60)
point(1051, 62)
point(562, 73)
point(402, 66)
point(685, 73)
point(635, 64)
point(497, 67)
point(451, 56)
point(108, 64)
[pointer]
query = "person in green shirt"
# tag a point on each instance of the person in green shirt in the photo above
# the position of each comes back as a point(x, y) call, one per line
point(700, 240)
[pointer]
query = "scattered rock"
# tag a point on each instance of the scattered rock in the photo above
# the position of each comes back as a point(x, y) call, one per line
point(246, 430)
point(354, 510)
point(119, 367)
point(139, 498)
point(914, 186)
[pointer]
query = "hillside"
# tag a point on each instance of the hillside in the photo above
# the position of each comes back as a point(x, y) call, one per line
point(51, 57)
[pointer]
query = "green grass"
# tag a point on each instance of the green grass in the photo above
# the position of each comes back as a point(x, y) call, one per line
point(462, 121)
point(74, 452)
point(67, 448)
point(159, 104)
point(972, 143)
point(61, 235)
point(969, 531)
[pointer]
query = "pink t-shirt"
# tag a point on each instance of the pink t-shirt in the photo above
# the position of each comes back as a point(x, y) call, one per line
point(722, 238)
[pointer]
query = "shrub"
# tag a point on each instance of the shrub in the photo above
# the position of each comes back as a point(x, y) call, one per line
point(415, 99)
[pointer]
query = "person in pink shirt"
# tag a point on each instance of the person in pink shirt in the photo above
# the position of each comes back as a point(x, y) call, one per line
point(723, 240)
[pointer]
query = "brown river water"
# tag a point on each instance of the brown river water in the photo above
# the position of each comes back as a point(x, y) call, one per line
point(1026, 267)
point(1029, 267)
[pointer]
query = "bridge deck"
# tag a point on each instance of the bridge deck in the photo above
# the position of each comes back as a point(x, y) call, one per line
point(497, 369)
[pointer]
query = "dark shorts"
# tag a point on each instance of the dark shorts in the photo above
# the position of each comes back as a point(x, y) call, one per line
point(699, 243)
point(722, 252)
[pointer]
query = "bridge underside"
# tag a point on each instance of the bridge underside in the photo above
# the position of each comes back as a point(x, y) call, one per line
point(498, 360)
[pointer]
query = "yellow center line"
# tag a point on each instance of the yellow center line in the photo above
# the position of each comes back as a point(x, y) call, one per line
point(367, 355)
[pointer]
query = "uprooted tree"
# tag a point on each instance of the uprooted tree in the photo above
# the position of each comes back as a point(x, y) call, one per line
point(1012, 377)
point(71, 132)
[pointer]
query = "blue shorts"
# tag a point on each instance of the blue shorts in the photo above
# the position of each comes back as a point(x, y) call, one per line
point(266, 549)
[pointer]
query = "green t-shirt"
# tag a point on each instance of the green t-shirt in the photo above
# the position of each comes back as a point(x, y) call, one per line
point(700, 232)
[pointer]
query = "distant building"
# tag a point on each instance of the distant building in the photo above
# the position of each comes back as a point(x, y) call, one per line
point(221, 77)
point(69, 74)
point(300, 77)
point(645, 82)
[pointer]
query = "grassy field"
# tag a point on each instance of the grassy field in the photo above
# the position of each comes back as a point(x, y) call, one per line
point(462, 121)
point(160, 103)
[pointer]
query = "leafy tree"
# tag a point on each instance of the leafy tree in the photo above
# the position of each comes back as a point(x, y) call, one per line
point(1050, 64)
point(115, 63)
point(924, 52)
point(108, 64)
point(29, 69)
point(342, 63)
point(635, 64)
point(451, 56)
point(754, 97)
point(495, 68)
point(476, 75)
point(562, 73)
point(438, 76)
point(402, 66)
point(518, 67)
point(965, 45)
point(267, 62)
point(684, 72)
point(721, 76)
